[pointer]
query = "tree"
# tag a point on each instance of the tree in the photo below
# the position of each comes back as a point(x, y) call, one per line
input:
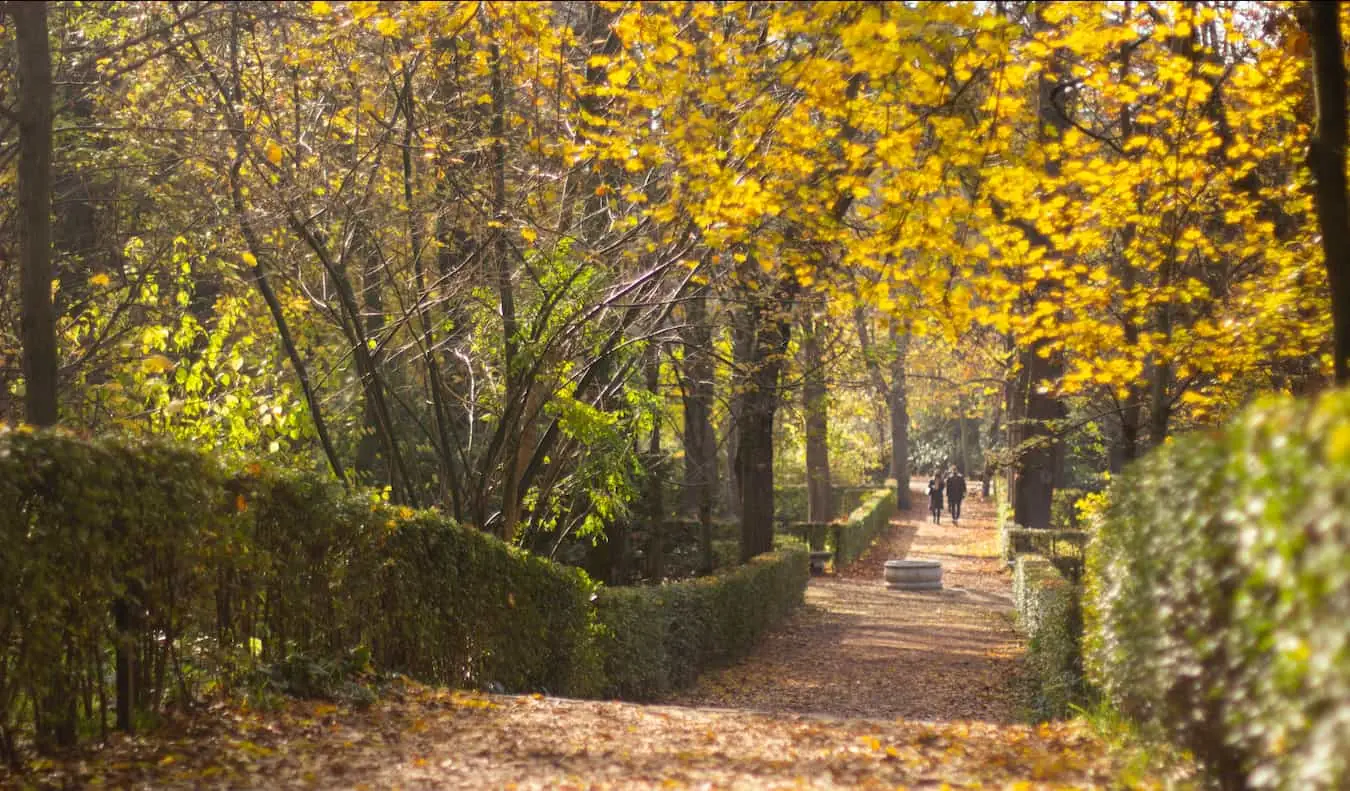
point(1327, 159)
point(35, 200)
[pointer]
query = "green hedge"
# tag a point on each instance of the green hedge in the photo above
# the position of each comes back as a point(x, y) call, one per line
point(653, 639)
point(1014, 541)
point(852, 537)
point(1219, 596)
point(1050, 614)
point(789, 502)
point(209, 577)
point(216, 574)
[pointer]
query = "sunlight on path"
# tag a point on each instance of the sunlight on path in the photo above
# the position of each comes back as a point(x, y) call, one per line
point(860, 650)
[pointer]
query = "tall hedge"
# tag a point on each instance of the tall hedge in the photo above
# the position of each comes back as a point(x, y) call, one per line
point(1219, 596)
point(1050, 614)
point(855, 534)
point(200, 575)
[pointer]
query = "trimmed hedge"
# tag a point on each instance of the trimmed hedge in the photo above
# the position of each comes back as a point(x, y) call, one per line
point(653, 639)
point(206, 578)
point(1014, 541)
point(1219, 596)
point(203, 577)
point(790, 501)
point(1050, 614)
point(851, 538)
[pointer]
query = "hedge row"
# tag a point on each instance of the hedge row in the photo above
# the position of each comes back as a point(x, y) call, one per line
point(198, 577)
point(854, 535)
point(1058, 543)
point(653, 639)
point(1050, 614)
point(790, 501)
point(201, 575)
point(1219, 594)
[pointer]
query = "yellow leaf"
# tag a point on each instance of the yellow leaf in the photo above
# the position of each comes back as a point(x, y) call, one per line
point(387, 27)
point(321, 7)
point(100, 280)
point(528, 235)
point(157, 363)
point(249, 258)
point(273, 152)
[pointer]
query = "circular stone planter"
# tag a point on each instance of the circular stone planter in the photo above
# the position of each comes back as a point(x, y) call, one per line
point(914, 575)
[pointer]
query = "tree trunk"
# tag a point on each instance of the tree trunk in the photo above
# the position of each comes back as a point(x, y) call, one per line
point(656, 512)
point(1327, 158)
point(501, 254)
point(1038, 467)
point(815, 406)
point(758, 399)
point(990, 468)
point(1040, 459)
point(898, 402)
point(35, 217)
point(700, 439)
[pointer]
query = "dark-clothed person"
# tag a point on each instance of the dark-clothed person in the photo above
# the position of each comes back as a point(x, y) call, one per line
point(956, 492)
point(935, 487)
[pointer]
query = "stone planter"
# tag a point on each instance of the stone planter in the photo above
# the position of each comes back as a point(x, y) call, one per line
point(914, 575)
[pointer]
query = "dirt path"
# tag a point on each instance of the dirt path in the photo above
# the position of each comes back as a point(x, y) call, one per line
point(860, 650)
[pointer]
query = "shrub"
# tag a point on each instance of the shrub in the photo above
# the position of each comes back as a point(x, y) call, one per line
point(1219, 592)
point(1049, 613)
point(1014, 541)
point(202, 579)
point(653, 639)
point(851, 538)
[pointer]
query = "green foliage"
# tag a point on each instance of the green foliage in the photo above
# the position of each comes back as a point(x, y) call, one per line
point(220, 577)
point(1049, 611)
point(1219, 590)
point(658, 638)
point(851, 538)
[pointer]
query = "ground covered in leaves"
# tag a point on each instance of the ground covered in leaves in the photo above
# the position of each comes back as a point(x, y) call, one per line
point(866, 688)
point(860, 650)
point(423, 738)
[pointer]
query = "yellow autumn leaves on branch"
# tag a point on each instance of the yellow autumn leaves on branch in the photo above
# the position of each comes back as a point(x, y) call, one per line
point(1120, 183)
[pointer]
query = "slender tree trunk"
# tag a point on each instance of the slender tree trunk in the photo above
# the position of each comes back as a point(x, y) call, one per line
point(35, 216)
point(656, 511)
point(742, 351)
point(759, 402)
point(506, 297)
point(1040, 460)
point(440, 413)
point(815, 406)
point(700, 439)
point(990, 468)
point(1327, 158)
point(898, 401)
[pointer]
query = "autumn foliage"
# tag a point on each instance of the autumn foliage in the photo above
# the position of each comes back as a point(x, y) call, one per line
point(1219, 593)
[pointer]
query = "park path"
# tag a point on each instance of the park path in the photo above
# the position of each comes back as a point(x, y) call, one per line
point(865, 688)
point(859, 650)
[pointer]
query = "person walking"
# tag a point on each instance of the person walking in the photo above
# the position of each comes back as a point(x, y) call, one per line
point(956, 492)
point(935, 487)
